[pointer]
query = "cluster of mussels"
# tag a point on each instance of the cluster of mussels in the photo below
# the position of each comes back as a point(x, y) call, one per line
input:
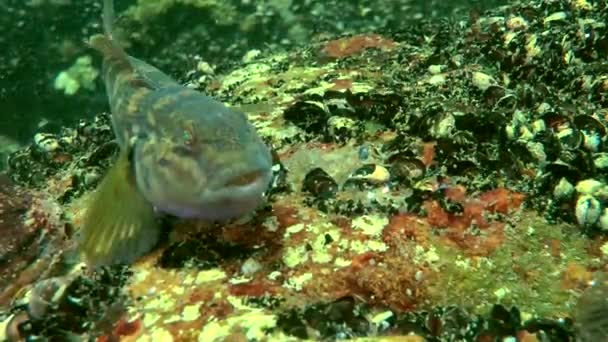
point(83, 152)
point(551, 56)
point(533, 120)
point(324, 188)
point(63, 308)
point(575, 176)
point(515, 98)
point(346, 318)
point(61, 305)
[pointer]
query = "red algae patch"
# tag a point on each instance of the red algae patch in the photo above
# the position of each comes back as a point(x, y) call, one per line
point(477, 212)
point(344, 47)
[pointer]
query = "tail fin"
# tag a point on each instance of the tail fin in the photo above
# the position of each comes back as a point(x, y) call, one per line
point(105, 43)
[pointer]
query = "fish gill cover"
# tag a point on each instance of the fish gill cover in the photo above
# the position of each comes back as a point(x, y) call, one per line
point(433, 180)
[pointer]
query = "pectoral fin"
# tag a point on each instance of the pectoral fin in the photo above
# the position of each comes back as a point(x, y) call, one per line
point(119, 225)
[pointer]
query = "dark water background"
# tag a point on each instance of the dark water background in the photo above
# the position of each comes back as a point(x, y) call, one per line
point(40, 38)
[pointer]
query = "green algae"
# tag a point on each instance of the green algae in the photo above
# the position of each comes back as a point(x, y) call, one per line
point(523, 271)
point(81, 75)
point(222, 11)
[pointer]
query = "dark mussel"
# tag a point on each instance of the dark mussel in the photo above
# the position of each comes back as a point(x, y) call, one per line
point(593, 131)
point(404, 167)
point(564, 129)
point(367, 175)
point(320, 184)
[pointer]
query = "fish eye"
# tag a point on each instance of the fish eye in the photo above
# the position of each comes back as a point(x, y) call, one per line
point(189, 137)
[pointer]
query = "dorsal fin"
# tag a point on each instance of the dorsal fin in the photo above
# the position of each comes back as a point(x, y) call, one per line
point(108, 48)
point(106, 44)
point(108, 17)
point(117, 61)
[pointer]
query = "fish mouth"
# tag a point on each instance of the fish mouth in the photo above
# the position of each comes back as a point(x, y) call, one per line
point(237, 196)
point(244, 180)
point(232, 198)
point(242, 185)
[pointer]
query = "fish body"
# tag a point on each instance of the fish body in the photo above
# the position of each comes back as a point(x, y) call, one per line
point(182, 153)
point(591, 311)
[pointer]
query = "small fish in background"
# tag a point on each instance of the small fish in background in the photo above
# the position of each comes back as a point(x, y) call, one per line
point(182, 153)
point(591, 313)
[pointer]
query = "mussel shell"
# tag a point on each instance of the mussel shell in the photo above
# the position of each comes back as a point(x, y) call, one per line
point(320, 184)
point(579, 159)
point(503, 321)
point(553, 173)
point(519, 152)
point(16, 325)
point(367, 175)
point(554, 120)
point(364, 171)
point(570, 138)
point(551, 144)
point(405, 167)
point(338, 105)
point(453, 319)
point(460, 142)
point(461, 167)
point(600, 161)
point(463, 140)
point(485, 126)
point(560, 169)
point(496, 97)
point(589, 124)
point(308, 116)
point(564, 129)
point(340, 128)
point(380, 107)
point(588, 210)
point(593, 131)
point(443, 126)
point(550, 329)
point(427, 124)
point(493, 94)
point(46, 142)
point(402, 143)
point(531, 96)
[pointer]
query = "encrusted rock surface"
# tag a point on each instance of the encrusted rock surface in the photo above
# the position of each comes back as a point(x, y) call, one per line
point(445, 182)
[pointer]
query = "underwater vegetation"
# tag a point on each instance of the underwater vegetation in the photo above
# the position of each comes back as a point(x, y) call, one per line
point(444, 181)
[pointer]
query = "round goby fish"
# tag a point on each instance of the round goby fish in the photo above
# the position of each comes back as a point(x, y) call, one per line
point(182, 153)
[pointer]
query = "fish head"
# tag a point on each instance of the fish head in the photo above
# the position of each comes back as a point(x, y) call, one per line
point(204, 161)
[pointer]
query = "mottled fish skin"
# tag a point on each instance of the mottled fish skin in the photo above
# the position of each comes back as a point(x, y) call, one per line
point(591, 311)
point(192, 155)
